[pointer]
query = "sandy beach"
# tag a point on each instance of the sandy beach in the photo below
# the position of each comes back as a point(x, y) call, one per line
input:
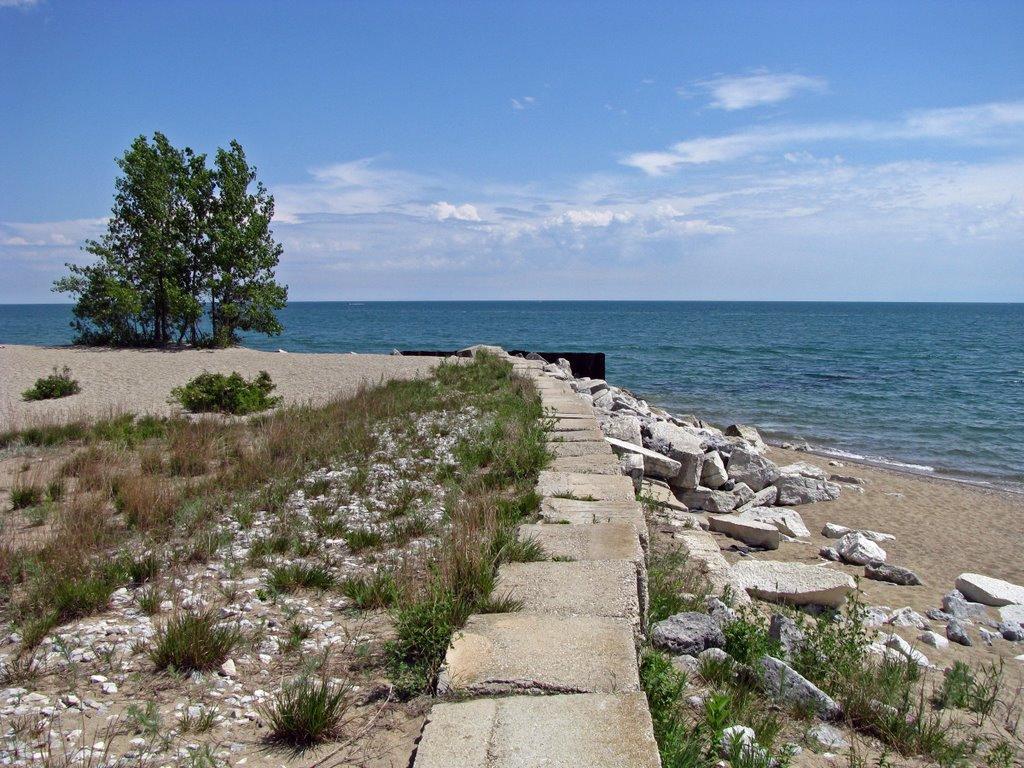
point(140, 380)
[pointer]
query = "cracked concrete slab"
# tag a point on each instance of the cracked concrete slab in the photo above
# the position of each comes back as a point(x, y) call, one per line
point(587, 487)
point(606, 541)
point(575, 512)
point(586, 588)
point(564, 731)
point(560, 449)
point(503, 653)
point(593, 464)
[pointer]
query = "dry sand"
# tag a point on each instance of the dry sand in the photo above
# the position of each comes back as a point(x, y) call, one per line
point(140, 381)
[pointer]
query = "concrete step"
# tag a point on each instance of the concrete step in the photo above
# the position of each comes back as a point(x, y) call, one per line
point(605, 541)
point(502, 653)
point(586, 588)
point(587, 487)
point(564, 731)
point(560, 449)
point(584, 434)
point(594, 464)
point(575, 512)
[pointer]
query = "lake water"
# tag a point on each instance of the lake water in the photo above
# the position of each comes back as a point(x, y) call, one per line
point(939, 387)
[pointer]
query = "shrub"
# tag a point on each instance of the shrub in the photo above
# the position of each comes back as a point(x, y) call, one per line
point(25, 494)
point(53, 386)
point(747, 641)
point(305, 713)
point(217, 393)
point(193, 641)
point(962, 688)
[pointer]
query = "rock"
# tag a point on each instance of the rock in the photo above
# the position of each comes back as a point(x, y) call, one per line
point(848, 479)
point(804, 469)
point(793, 583)
point(476, 349)
point(109, 687)
point(713, 654)
point(679, 444)
point(659, 492)
point(788, 521)
point(632, 465)
point(955, 605)
point(621, 426)
point(766, 497)
point(902, 648)
point(906, 617)
point(957, 632)
point(1012, 614)
point(989, 591)
point(685, 663)
point(564, 365)
point(987, 636)
point(827, 736)
point(655, 464)
point(786, 633)
point(934, 639)
point(797, 489)
point(751, 468)
point(752, 532)
point(590, 386)
point(687, 633)
point(836, 531)
point(894, 574)
point(738, 738)
point(708, 500)
point(713, 474)
point(228, 668)
point(786, 684)
point(741, 491)
point(876, 615)
point(1013, 633)
point(830, 553)
point(856, 548)
point(748, 433)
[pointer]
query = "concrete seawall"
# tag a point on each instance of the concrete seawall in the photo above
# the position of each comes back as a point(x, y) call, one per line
point(556, 684)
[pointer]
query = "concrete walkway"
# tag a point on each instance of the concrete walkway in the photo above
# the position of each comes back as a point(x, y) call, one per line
point(556, 684)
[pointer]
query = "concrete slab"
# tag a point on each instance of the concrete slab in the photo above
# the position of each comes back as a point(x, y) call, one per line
point(584, 434)
point(751, 532)
point(559, 448)
point(659, 492)
point(594, 464)
point(605, 541)
point(563, 731)
point(554, 510)
point(588, 487)
point(704, 555)
point(586, 588)
point(502, 653)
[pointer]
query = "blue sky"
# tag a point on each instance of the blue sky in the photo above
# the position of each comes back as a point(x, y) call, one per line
point(818, 150)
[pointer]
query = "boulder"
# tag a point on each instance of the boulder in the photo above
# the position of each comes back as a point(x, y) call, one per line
point(934, 639)
point(829, 553)
point(476, 349)
point(751, 532)
point(655, 464)
point(1011, 632)
point(688, 665)
point(741, 491)
point(793, 583)
point(632, 465)
point(746, 466)
point(621, 426)
point(764, 498)
point(659, 492)
point(681, 445)
point(827, 737)
point(797, 489)
point(748, 433)
point(786, 684)
point(906, 617)
point(856, 548)
point(804, 469)
point(956, 632)
point(786, 633)
point(958, 607)
point(902, 649)
point(1012, 614)
point(989, 591)
point(894, 574)
point(713, 474)
point(708, 500)
point(836, 531)
point(590, 386)
point(564, 365)
point(788, 521)
point(687, 634)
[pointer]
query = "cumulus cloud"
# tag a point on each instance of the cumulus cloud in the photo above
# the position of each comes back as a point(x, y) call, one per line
point(465, 212)
point(734, 92)
point(977, 124)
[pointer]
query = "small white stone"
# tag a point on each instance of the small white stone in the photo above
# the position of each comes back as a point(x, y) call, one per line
point(109, 687)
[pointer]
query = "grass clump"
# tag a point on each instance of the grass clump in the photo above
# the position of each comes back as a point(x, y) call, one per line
point(306, 712)
point(193, 641)
point(963, 688)
point(295, 576)
point(57, 384)
point(232, 394)
point(378, 590)
point(25, 494)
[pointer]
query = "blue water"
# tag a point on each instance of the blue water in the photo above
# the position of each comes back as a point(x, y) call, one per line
point(938, 386)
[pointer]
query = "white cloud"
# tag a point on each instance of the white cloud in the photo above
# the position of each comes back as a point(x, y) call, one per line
point(523, 102)
point(50, 234)
point(465, 212)
point(18, 3)
point(977, 124)
point(733, 92)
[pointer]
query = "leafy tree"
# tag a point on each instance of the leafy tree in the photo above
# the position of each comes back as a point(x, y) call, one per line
point(181, 238)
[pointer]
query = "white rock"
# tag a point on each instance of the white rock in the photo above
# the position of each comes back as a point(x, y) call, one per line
point(788, 521)
point(985, 589)
point(934, 639)
point(752, 532)
point(804, 469)
point(747, 466)
point(228, 668)
point(109, 687)
point(797, 489)
point(896, 643)
point(793, 583)
point(857, 548)
point(655, 463)
point(1012, 614)
point(713, 473)
point(907, 617)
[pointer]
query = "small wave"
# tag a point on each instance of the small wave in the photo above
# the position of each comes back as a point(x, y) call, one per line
point(840, 453)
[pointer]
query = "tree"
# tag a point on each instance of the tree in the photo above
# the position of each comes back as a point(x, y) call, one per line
point(243, 293)
point(181, 237)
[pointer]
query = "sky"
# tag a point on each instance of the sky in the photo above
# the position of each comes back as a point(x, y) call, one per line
point(550, 150)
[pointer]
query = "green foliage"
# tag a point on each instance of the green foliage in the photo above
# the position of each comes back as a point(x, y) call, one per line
point(747, 641)
point(182, 237)
point(217, 393)
point(377, 590)
point(672, 587)
point(963, 688)
point(288, 578)
point(193, 641)
point(25, 494)
point(57, 384)
point(305, 713)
